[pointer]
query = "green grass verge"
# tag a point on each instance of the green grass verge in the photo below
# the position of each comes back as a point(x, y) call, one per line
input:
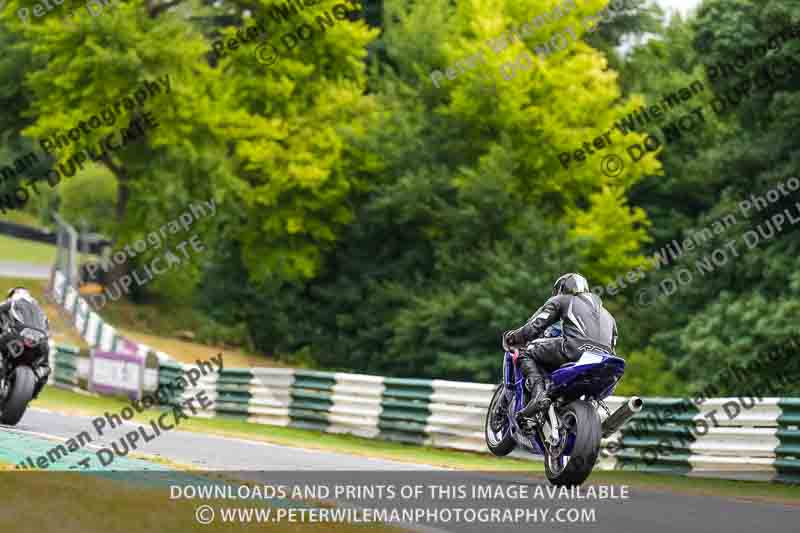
point(110, 506)
point(25, 251)
point(35, 287)
point(22, 217)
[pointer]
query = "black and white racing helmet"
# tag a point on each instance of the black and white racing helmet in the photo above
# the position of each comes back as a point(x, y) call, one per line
point(570, 284)
point(19, 292)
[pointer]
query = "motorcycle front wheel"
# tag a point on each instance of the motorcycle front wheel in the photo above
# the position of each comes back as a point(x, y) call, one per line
point(20, 393)
point(497, 429)
point(571, 462)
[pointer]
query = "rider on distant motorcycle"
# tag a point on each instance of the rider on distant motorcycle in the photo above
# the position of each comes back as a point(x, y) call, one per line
point(42, 369)
point(586, 325)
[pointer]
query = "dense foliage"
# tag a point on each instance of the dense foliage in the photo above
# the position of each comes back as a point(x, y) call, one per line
point(371, 221)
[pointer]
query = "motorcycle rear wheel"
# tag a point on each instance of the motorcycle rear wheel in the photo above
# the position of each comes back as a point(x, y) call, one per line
point(582, 422)
point(500, 443)
point(19, 394)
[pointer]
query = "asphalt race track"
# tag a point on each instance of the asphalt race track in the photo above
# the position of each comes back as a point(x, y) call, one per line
point(207, 451)
point(14, 269)
point(647, 510)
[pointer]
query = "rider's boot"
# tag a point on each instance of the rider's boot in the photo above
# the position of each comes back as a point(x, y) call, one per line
point(539, 400)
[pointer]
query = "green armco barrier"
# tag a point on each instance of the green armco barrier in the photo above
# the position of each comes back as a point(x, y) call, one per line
point(311, 379)
point(168, 374)
point(790, 412)
point(234, 384)
point(233, 393)
point(68, 348)
point(787, 463)
point(236, 376)
point(413, 389)
point(405, 410)
point(69, 367)
point(311, 399)
point(659, 437)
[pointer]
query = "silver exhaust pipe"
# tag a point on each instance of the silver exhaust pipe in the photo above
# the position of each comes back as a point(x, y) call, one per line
point(618, 418)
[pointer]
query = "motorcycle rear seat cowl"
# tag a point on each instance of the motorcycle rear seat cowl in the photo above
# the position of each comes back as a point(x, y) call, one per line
point(592, 357)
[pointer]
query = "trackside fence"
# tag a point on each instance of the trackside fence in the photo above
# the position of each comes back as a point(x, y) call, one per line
point(762, 443)
point(736, 438)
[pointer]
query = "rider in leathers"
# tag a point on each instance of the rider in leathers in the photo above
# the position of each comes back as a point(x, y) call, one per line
point(42, 370)
point(586, 325)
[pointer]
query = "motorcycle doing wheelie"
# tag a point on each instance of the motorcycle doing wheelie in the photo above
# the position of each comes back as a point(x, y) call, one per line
point(568, 434)
point(25, 346)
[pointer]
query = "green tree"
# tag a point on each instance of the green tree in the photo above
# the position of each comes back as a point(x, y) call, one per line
point(465, 216)
point(742, 308)
point(98, 208)
point(293, 174)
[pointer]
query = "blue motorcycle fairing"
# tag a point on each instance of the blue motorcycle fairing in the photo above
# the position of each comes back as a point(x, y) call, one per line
point(594, 375)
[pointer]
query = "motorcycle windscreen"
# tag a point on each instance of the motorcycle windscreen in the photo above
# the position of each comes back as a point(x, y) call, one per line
point(29, 315)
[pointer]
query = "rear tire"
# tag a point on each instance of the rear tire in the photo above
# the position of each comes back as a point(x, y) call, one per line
point(587, 432)
point(499, 443)
point(19, 394)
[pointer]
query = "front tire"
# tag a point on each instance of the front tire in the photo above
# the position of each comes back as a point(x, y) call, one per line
point(19, 394)
point(501, 442)
point(583, 425)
